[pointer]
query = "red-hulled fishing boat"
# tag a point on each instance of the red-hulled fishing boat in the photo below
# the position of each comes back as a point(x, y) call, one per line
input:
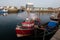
point(24, 30)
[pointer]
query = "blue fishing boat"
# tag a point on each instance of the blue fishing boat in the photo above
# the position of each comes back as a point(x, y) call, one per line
point(3, 12)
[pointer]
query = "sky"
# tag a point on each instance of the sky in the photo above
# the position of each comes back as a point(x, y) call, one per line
point(37, 3)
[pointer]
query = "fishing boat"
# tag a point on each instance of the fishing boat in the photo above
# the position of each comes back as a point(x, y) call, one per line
point(3, 12)
point(25, 29)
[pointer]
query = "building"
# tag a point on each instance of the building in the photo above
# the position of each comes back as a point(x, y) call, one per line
point(29, 6)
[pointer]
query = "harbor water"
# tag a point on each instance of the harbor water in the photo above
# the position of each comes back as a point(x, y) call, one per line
point(8, 24)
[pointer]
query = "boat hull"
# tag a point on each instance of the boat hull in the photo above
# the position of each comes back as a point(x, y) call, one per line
point(20, 32)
